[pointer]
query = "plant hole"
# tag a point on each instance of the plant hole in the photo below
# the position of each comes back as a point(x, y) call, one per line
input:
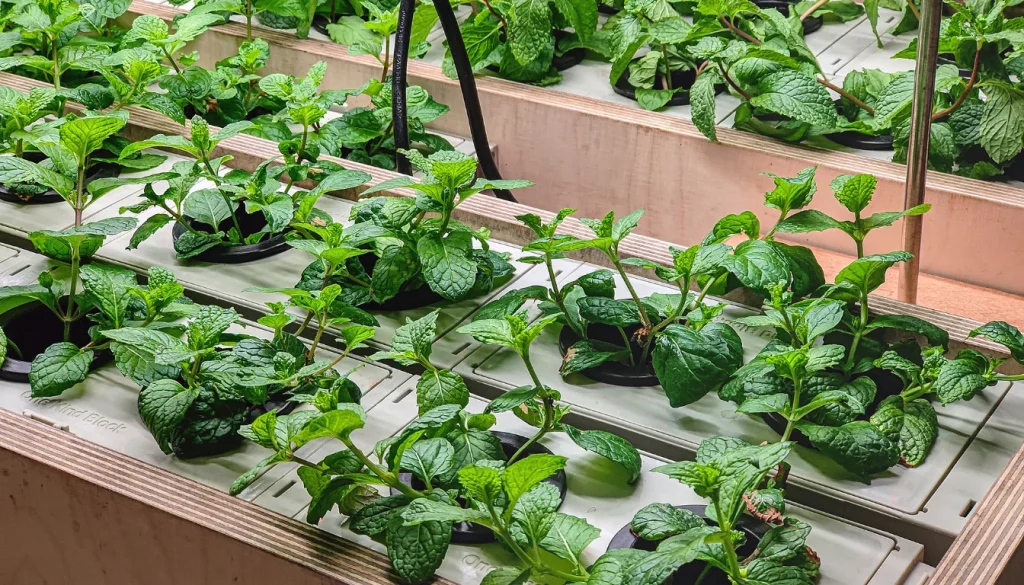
point(967, 508)
point(837, 60)
point(401, 396)
point(891, 18)
point(284, 488)
point(22, 269)
point(461, 348)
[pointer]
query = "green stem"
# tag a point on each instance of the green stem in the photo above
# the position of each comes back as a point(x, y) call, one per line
point(321, 326)
point(730, 554)
point(625, 342)
point(646, 321)
point(388, 478)
point(704, 573)
point(859, 332)
point(171, 60)
point(69, 316)
point(791, 420)
point(549, 409)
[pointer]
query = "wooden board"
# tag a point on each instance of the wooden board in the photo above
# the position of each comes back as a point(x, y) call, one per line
point(595, 156)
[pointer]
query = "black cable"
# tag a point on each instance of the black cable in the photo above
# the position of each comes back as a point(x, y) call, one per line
point(467, 83)
point(399, 75)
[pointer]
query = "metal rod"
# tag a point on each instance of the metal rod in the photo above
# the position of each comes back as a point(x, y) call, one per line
point(917, 151)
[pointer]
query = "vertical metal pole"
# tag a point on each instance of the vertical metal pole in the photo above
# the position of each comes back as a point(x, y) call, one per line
point(920, 132)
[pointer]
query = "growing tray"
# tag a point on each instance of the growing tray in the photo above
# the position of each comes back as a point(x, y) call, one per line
point(930, 504)
point(851, 554)
point(104, 409)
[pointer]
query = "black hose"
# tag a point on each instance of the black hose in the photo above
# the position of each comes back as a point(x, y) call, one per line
point(399, 75)
point(467, 83)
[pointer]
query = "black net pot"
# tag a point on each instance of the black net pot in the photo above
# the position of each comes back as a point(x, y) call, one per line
point(250, 223)
point(680, 79)
point(614, 373)
point(886, 384)
point(860, 140)
point(811, 23)
point(949, 59)
point(97, 171)
point(33, 327)
point(688, 574)
point(405, 300)
point(469, 533)
point(320, 23)
point(569, 58)
point(606, 9)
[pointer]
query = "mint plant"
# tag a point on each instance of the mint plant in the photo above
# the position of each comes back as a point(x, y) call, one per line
point(416, 246)
point(827, 389)
point(520, 39)
point(222, 215)
point(197, 392)
point(443, 450)
point(728, 472)
point(367, 135)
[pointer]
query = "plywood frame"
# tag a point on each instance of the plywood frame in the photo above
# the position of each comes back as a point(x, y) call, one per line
point(595, 156)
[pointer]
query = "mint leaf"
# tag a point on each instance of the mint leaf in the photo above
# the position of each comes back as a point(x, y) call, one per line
point(935, 335)
point(656, 522)
point(958, 379)
point(58, 368)
point(416, 552)
point(372, 519)
point(796, 95)
point(868, 273)
point(1002, 124)
point(914, 426)
point(757, 265)
point(162, 406)
point(857, 446)
point(854, 191)
point(447, 267)
point(568, 536)
point(1004, 334)
point(785, 542)
point(702, 103)
point(523, 475)
point(534, 514)
point(689, 364)
point(506, 575)
point(336, 423)
point(426, 510)
point(429, 458)
point(609, 446)
point(512, 399)
point(207, 206)
point(438, 387)
point(529, 23)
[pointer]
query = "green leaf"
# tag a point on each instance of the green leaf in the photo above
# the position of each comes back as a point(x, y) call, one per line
point(207, 206)
point(568, 536)
point(250, 476)
point(109, 288)
point(481, 483)
point(791, 193)
point(416, 552)
point(758, 265)
point(395, 266)
point(609, 446)
point(854, 191)
point(934, 334)
point(868, 273)
point(83, 136)
point(702, 104)
point(894, 100)
point(857, 446)
point(18, 170)
point(506, 575)
point(523, 475)
point(162, 406)
point(438, 387)
point(808, 220)
point(608, 311)
point(427, 510)
point(763, 572)
point(336, 423)
point(149, 227)
point(583, 355)
point(656, 522)
point(58, 368)
point(768, 403)
point(529, 29)
point(796, 95)
point(493, 331)
point(689, 364)
point(785, 542)
point(447, 267)
point(372, 520)
point(657, 567)
point(512, 399)
point(1004, 334)
point(534, 514)
point(429, 458)
point(1002, 124)
point(958, 379)
point(914, 426)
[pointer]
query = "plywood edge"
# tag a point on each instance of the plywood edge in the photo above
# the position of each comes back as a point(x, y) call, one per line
point(591, 107)
point(316, 551)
